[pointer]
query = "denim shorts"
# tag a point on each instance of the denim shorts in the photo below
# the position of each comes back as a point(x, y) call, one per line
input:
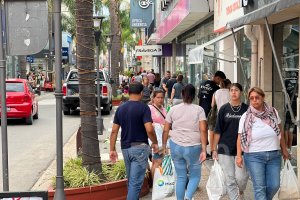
point(157, 156)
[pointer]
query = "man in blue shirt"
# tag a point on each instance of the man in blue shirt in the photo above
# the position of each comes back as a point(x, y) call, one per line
point(134, 118)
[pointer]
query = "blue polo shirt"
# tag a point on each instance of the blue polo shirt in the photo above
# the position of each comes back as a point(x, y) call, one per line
point(132, 116)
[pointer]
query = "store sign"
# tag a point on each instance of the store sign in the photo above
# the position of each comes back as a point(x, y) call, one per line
point(225, 11)
point(149, 50)
point(141, 14)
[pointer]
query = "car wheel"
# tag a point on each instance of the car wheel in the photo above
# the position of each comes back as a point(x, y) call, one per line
point(29, 120)
point(67, 112)
point(106, 109)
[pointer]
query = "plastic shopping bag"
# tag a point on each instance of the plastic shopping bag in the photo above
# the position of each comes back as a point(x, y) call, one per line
point(159, 129)
point(216, 182)
point(164, 180)
point(289, 188)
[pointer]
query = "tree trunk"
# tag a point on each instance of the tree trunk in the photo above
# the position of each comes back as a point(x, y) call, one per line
point(86, 70)
point(116, 59)
point(22, 64)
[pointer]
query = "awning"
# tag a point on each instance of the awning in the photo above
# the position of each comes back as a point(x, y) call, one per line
point(196, 54)
point(263, 12)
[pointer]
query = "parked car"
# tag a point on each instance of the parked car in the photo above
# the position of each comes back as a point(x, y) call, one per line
point(21, 101)
point(71, 92)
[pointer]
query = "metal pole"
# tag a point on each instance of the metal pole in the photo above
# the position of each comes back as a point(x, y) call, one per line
point(279, 72)
point(59, 192)
point(3, 111)
point(239, 56)
point(109, 59)
point(98, 118)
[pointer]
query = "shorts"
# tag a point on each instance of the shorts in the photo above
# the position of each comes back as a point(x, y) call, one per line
point(157, 156)
point(289, 126)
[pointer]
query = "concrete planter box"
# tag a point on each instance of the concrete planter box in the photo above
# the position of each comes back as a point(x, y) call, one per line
point(111, 191)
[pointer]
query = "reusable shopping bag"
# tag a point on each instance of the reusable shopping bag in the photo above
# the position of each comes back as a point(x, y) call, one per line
point(158, 128)
point(164, 180)
point(289, 188)
point(216, 182)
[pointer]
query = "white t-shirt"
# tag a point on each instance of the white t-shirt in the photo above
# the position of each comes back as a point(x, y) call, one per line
point(222, 97)
point(185, 120)
point(263, 138)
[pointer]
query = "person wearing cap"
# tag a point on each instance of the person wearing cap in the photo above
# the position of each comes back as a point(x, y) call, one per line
point(206, 91)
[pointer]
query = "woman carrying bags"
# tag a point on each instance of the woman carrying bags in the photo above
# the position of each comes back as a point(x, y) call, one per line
point(261, 138)
point(188, 139)
point(224, 145)
point(158, 114)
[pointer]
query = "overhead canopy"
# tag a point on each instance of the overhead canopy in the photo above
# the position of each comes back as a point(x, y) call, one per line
point(196, 54)
point(273, 8)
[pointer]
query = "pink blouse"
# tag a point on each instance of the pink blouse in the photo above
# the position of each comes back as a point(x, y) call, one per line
point(156, 115)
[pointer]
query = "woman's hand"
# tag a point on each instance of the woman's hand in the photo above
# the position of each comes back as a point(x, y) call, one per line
point(202, 156)
point(285, 154)
point(215, 155)
point(239, 161)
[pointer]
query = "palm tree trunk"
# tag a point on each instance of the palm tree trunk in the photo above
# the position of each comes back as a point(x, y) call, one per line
point(116, 60)
point(22, 64)
point(86, 70)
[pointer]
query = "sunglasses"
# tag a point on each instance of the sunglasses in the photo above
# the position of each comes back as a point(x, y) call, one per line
point(254, 97)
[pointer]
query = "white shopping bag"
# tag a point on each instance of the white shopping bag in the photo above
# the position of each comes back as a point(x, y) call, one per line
point(216, 182)
point(163, 185)
point(289, 188)
point(159, 129)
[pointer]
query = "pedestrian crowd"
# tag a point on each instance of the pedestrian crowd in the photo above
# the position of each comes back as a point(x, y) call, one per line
point(246, 140)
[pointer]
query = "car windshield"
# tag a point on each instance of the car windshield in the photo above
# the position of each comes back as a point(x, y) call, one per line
point(14, 87)
point(74, 76)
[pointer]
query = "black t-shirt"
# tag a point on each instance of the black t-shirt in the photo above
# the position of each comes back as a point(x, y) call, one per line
point(206, 91)
point(132, 116)
point(169, 85)
point(227, 126)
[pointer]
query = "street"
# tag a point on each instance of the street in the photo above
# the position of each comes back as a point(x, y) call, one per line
point(33, 148)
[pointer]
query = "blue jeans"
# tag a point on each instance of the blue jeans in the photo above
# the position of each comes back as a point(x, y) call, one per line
point(136, 162)
point(186, 161)
point(264, 169)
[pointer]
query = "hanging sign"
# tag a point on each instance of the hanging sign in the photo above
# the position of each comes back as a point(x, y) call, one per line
point(148, 50)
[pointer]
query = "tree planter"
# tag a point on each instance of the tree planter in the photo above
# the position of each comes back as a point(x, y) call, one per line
point(116, 102)
point(111, 191)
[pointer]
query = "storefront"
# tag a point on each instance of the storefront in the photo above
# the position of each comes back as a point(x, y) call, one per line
point(277, 27)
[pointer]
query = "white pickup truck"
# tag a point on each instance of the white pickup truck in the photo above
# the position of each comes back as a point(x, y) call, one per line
point(71, 92)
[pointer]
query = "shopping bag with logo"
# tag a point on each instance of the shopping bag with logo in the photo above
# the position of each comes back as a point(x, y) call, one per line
point(164, 180)
point(289, 187)
point(215, 186)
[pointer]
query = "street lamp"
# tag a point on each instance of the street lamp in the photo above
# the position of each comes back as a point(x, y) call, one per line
point(98, 23)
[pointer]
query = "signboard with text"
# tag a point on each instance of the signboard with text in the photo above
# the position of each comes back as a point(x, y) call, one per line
point(225, 11)
point(149, 50)
point(141, 13)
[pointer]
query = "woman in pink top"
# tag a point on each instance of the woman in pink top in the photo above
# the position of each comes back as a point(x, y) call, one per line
point(158, 113)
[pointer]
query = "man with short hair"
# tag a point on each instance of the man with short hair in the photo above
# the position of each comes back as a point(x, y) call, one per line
point(134, 118)
point(138, 77)
point(170, 83)
point(206, 91)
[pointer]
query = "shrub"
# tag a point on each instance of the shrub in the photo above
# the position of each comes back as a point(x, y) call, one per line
point(75, 175)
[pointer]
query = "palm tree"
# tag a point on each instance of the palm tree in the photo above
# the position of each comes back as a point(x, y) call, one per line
point(115, 25)
point(86, 70)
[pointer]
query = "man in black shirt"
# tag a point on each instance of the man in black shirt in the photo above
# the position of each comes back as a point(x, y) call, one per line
point(170, 84)
point(163, 84)
point(206, 91)
point(134, 118)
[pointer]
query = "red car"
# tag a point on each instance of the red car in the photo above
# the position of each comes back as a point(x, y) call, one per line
point(21, 101)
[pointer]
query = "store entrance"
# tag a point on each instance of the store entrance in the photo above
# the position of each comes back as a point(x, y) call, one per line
point(286, 39)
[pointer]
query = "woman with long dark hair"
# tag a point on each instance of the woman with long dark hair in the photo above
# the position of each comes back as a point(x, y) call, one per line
point(188, 139)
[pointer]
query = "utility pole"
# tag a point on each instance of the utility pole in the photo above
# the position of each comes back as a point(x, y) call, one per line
point(59, 192)
point(3, 111)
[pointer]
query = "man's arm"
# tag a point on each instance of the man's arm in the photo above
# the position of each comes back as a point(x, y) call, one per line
point(113, 138)
point(151, 135)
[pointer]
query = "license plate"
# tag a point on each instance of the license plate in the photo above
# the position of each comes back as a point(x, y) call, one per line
point(8, 108)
